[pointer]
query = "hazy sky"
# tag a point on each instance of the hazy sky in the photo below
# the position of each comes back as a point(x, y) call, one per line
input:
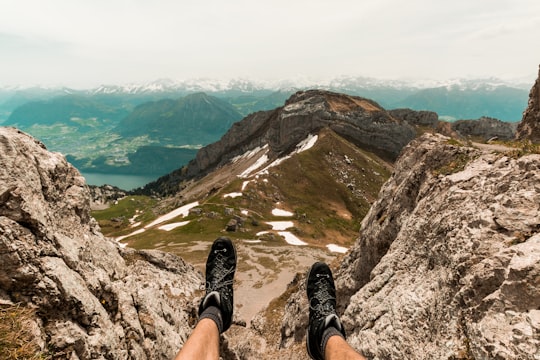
point(85, 43)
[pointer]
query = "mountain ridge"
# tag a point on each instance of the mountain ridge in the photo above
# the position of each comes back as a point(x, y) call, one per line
point(359, 120)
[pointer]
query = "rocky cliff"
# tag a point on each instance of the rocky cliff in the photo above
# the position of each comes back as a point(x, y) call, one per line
point(529, 128)
point(91, 298)
point(359, 120)
point(447, 264)
point(485, 128)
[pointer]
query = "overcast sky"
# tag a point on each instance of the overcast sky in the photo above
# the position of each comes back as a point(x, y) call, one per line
point(85, 43)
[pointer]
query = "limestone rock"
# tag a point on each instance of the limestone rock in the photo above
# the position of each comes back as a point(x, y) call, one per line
point(102, 196)
point(92, 298)
point(485, 128)
point(447, 264)
point(359, 120)
point(413, 117)
point(529, 127)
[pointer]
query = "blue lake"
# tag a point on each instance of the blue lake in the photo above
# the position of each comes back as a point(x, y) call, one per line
point(124, 182)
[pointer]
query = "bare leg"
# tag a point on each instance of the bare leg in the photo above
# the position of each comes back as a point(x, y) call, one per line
point(338, 349)
point(216, 307)
point(203, 342)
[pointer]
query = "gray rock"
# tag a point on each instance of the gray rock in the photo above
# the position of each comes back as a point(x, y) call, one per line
point(447, 265)
point(485, 128)
point(529, 127)
point(413, 117)
point(359, 120)
point(92, 298)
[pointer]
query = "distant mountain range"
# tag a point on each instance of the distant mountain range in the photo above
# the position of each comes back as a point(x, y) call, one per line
point(195, 118)
point(128, 129)
point(445, 96)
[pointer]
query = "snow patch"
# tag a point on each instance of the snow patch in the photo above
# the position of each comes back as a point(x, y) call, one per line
point(183, 210)
point(120, 238)
point(280, 212)
point(244, 212)
point(260, 162)
point(337, 248)
point(280, 225)
point(169, 227)
point(233, 195)
point(291, 238)
point(244, 184)
point(303, 145)
point(307, 143)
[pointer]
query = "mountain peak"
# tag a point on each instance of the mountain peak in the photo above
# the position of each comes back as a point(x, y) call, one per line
point(361, 121)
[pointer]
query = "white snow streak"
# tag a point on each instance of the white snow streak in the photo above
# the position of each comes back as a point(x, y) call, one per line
point(280, 212)
point(183, 210)
point(337, 248)
point(169, 227)
point(291, 238)
point(280, 225)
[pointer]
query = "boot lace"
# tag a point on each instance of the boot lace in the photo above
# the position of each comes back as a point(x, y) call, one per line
point(220, 272)
point(323, 307)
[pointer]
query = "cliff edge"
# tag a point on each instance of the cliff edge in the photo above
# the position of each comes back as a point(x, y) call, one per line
point(529, 127)
point(90, 299)
point(447, 264)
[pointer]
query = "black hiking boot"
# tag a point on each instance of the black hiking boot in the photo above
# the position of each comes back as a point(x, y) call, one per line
point(321, 293)
point(220, 268)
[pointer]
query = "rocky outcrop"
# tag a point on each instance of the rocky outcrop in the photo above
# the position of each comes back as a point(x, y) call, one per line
point(485, 128)
point(361, 121)
point(92, 299)
point(102, 196)
point(447, 265)
point(529, 127)
point(417, 118)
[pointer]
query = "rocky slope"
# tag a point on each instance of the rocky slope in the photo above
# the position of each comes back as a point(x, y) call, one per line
point(485, 128)
point(529, 128)
point(361, 121)
point(447, 264)
point(91, 298)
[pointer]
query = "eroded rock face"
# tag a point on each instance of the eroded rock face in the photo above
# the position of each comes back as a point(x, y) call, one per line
point(92, 298)
point(485, 128)
point(529, 127)
point(413, 117)
point(447, 265)
point(359, 120)
point(102, 196)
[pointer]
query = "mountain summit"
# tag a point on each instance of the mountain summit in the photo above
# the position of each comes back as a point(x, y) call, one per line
point(361, 121)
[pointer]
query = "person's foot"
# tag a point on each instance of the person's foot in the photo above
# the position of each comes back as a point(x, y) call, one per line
point(220, 268)
point(321, 293)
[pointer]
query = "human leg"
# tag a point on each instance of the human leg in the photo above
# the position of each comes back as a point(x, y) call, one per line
point(216, 308)
point(338, 349)
point(326, 335)
point(203, 343)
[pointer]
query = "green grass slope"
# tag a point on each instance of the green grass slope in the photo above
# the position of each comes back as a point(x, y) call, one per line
point(328, 189)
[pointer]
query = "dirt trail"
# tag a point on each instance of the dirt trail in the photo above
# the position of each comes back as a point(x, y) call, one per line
point(493, 147)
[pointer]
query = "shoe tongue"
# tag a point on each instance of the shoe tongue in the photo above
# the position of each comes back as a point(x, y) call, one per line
point(332, 320)
point(212, 298)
